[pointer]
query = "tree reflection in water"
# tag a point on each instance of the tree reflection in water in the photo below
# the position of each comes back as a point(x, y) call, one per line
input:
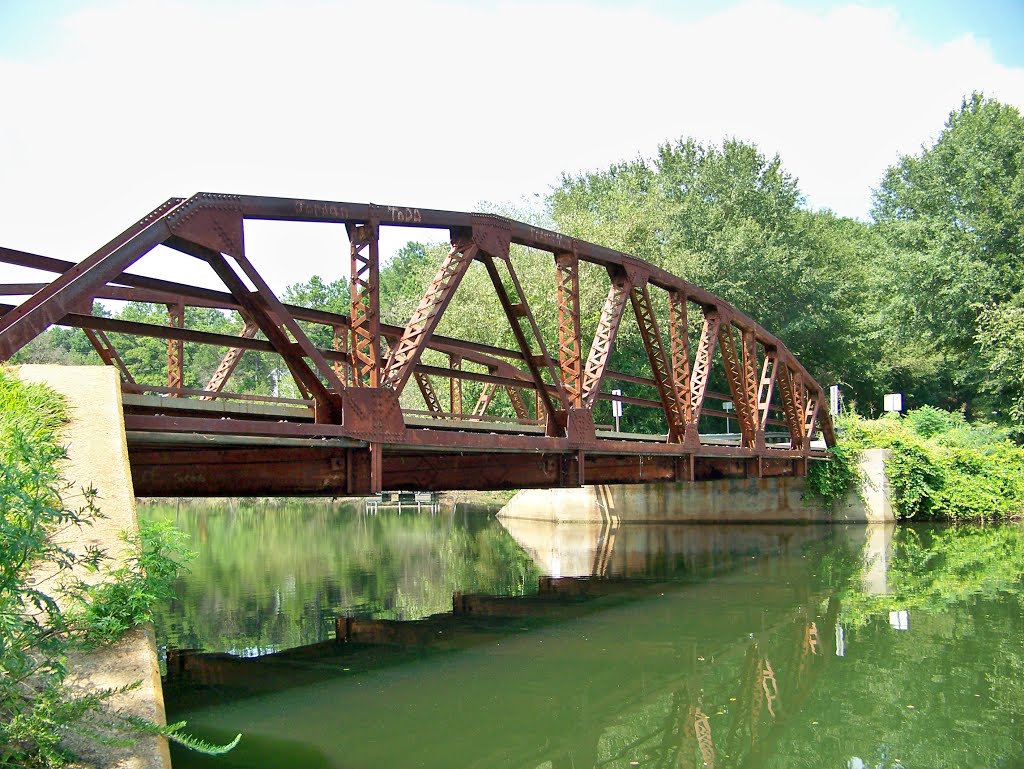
point(665, 646)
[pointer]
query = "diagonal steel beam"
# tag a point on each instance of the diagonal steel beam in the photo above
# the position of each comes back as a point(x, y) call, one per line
point(428, 393)
point(328, 403)
point(284, 319)
point(227, 364)
point(416, 336)
point(604, 338)
point(515, 395)
point(108, 353)
point(644, 311)
point(486, 396)
point(701, 373)
point(78, 285)
point(532, 322)
point(811, 407)
point(513, 312)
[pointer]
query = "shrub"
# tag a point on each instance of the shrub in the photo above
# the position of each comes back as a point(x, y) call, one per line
point(914, 480)
point(941, 467)
point(927, 421)
point(46, 609)
point(832, 480)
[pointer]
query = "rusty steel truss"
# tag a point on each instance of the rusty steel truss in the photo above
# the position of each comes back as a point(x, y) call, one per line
point(348, 433)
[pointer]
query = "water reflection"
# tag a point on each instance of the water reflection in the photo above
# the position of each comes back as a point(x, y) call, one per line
point(621, 646)
point(658, 550)
point(272, 576)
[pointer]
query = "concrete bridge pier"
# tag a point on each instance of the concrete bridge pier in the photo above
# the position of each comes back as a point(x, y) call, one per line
point(779, 499)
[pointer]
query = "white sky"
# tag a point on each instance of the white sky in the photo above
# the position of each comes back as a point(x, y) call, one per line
point(441, 106)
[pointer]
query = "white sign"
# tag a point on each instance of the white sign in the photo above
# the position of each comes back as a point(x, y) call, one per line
point(893, 402)
point(728, 405)
point(833, 399)
point(899, 620)
point(616, 404)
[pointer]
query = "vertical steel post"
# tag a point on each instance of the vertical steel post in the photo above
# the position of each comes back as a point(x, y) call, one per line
point(569, 348)
point(175, 349)
point(679, 346)
point(364, 298)
point(455, 384)
point(406, 353)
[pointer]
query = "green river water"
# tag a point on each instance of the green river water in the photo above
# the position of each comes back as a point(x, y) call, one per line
point(578, 646)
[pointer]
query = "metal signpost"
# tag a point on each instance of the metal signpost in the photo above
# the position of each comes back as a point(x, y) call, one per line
point(616, 408)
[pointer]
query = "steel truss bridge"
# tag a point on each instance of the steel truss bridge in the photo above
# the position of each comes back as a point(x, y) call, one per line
point(348, 433)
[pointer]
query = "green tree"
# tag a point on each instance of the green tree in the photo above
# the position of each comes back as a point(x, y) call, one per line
point(732, 221)
point(1001, 340)
point(954, 215)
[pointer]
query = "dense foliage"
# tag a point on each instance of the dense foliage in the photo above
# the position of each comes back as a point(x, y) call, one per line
point(48, 609)
point(831, 481)
point(954, 217)
point(941, 467)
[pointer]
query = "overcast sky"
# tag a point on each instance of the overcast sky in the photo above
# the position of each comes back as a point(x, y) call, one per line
point(110, 107)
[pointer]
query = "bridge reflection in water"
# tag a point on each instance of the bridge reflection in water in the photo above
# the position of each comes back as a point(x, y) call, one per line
point(667, 645)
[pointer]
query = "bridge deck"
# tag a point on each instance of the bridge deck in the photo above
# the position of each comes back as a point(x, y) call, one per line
point(216, 448)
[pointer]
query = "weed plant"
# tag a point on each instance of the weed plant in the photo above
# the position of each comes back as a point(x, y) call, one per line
point(47, 609)
point(940, 467)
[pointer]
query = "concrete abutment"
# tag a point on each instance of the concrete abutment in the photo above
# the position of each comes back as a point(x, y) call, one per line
point(97, 457)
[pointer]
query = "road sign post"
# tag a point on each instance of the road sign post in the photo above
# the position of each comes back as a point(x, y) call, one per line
point(616, 408)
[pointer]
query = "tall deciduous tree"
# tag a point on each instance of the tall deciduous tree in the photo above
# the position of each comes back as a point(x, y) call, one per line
point(732, 220)
point(954, 215)
point(1001, 338)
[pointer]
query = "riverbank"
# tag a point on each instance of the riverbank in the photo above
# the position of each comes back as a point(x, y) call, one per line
point(938, 466)
point(71, 439)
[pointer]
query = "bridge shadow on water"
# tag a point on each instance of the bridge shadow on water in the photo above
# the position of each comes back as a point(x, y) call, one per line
point(640, 645)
